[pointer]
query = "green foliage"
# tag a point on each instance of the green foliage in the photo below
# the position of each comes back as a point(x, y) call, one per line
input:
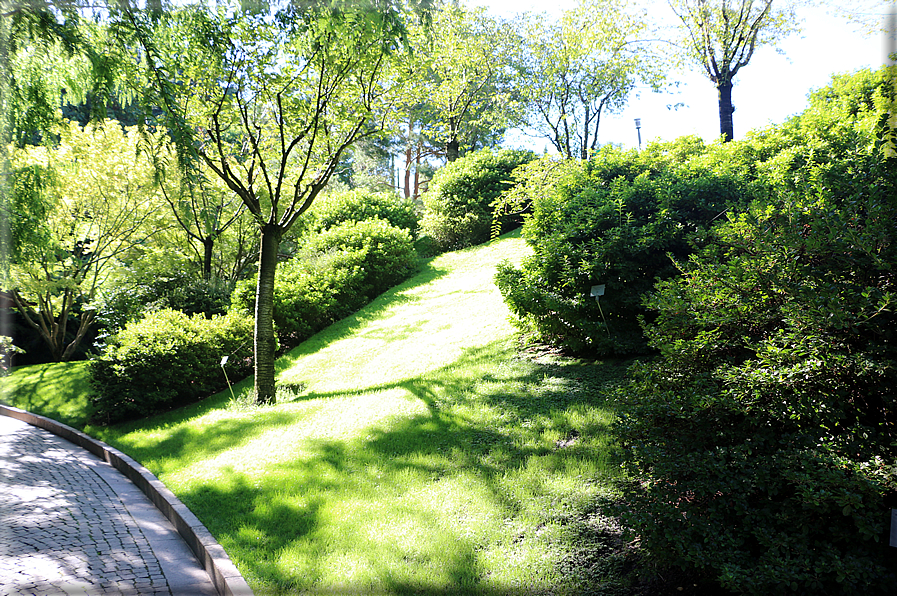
point(168, 359)
point(30, 206)
point(362, 205)
point(581, 66)
point(337, 272)
point(7, 350)
point(458, 203)
point(762, 440)
point(176, 290)
point(98, 201)
point(621, 220)
point(459, 93)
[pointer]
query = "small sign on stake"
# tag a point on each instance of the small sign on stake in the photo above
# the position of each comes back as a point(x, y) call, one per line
point(223, 362)
point(598, 292)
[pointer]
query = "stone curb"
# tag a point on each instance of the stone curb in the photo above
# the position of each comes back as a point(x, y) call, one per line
point(220, 568)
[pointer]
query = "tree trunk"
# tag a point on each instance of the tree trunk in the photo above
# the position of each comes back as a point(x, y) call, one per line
point(86, 323)
point(725, 111)
point(265, 341)
point(584, 148)
point(208, 243)
point(408, 151)
point(417, 173)
point(452, 150)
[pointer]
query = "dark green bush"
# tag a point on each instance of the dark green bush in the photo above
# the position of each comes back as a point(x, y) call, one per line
point(335, 273)
point(182, 291)
point(458, 204)
point(762, 442)
point(166, 360)
point(621, 220)
point(362, 205)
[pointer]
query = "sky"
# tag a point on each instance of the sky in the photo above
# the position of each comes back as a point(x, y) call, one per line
point(772, 87)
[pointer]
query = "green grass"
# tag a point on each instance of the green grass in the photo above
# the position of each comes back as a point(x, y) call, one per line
point(415, 451)
point(57, 390)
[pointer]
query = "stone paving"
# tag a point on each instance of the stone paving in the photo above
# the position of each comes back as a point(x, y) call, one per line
point(72, 524)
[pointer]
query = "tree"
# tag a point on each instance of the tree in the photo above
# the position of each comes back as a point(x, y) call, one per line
point(203, 209)
point(721, 36)
point(462, 92)
point(272, 100)
point(575, 70)
point(99, 202)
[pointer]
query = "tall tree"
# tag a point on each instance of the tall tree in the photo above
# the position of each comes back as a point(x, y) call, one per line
point(721, 36)
point(575, 70)
point(459, 77)
point(272, 100)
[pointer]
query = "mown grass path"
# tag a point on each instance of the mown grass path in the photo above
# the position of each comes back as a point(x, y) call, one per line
point(416, 452)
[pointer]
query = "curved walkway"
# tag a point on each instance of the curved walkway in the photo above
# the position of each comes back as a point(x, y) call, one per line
point(70, 523)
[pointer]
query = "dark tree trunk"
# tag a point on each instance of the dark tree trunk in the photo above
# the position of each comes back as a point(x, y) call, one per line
point(265, 341)
point(725, 111)
point(452, 150)
point(417, 173)
point(208, 243)
point(408, 151)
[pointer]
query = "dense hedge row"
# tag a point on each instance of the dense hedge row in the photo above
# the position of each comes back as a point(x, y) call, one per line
point(762, 441)
point(365, 205)
point(458, 205)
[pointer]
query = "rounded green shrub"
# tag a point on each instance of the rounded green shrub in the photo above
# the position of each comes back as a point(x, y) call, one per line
point(362, 205)
point(621, 220)
point(336, 273)
point(168, 359)
point(389, 256)
point(458, 203)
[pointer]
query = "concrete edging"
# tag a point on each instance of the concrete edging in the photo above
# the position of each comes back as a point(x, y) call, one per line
point(214, 560)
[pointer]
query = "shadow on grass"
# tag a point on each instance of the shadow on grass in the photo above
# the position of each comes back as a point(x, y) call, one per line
point(290, 528)
point(57, 390)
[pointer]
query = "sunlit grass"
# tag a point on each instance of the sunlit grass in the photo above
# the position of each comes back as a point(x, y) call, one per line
point(57, 390)
point(414, 452)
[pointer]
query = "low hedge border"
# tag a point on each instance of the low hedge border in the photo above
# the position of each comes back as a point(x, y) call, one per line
point(221, 570)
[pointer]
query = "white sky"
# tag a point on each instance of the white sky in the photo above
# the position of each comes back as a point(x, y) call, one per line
point(768, 90)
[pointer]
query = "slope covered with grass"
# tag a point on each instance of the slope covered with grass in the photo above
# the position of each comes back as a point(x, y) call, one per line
point(414, 452)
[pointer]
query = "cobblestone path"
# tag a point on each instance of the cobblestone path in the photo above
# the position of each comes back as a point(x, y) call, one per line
point(72, 524)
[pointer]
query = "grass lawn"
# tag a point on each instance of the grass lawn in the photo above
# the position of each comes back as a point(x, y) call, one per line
point(413, 450)
point(57, 390)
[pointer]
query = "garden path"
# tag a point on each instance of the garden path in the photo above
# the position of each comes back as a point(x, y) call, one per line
point(70, 523)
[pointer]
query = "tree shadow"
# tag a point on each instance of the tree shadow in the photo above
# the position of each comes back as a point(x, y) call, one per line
point(291, 533)
point(57, 390)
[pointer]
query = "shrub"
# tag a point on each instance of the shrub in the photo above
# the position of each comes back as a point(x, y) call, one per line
point(763, 438)
point(621, 220)
point(166, 360)
point(458, 203)
point(336, 273)
point(362, 205)
point(176, 290)
point(7, 350)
